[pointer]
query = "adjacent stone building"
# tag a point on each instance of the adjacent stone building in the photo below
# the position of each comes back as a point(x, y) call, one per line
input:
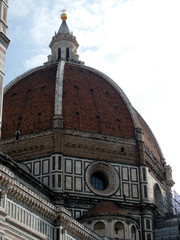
point(78, 161)
point(4, 42)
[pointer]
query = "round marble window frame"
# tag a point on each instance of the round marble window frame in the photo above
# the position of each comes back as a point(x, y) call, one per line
point(109, 172)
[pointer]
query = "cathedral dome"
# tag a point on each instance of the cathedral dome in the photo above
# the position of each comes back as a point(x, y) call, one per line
point(78, 161)
point(89, 101)
point(82, 102)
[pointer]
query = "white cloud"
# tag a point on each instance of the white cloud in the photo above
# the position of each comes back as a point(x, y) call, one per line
point(21, 9)
point(35, 61)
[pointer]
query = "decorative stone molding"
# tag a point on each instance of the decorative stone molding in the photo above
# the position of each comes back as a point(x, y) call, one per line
point(169, 180)
point(24, 194)
point(4, 40)
point(74, 227)
point(28, 200)
point(139, 134)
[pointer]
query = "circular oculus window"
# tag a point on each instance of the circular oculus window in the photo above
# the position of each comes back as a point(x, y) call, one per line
point(102, 178)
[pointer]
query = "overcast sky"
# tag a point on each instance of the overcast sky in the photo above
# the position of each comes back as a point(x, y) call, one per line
point(135, 42)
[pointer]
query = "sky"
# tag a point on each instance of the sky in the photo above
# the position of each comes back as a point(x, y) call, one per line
point(134, 42)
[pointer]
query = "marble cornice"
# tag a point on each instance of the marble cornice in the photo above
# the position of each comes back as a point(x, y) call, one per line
point(76, 228)
point(21, 193)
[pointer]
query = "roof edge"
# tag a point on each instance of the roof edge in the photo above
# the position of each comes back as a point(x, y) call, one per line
point(17, 79)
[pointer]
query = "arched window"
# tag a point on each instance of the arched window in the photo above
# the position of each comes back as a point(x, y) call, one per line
point(59, 54)
point(119, 230)
point(99, 228)
point(133, 233)
point(158, 200)
point(67, 54)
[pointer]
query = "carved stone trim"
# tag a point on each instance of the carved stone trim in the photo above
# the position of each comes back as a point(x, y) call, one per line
point(76, 228)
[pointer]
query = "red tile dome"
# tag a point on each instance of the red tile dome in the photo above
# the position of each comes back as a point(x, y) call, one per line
point(90, 102)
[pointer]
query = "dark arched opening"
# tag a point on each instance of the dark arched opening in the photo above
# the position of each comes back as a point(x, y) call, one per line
point(67, 54)
point(99, 228)
point(133, 233)
point(158, 200)
point(59, 54)
point(119, 230)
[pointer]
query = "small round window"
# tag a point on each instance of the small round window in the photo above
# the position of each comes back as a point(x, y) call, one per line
point(102, 178)
point(99, 181)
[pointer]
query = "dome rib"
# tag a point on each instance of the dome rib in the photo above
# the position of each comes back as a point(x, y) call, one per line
point(59, 88)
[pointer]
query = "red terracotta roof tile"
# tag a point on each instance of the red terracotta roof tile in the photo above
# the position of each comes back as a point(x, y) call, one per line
point(106, 207)
point(91, 104)
point(28, 106)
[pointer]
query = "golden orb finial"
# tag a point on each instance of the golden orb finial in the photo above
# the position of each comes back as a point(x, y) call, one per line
point(64, 15)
